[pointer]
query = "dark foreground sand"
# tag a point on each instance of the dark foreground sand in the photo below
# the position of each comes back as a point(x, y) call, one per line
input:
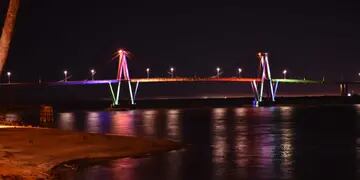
point(30, 153)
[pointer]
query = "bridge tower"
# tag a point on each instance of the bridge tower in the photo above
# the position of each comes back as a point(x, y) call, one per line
point(122, 75)
point(264, 79)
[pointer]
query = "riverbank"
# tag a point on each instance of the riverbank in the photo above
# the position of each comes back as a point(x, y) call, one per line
point(31, 153)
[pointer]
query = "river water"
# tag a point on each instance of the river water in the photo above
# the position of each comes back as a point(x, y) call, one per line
point(282, 142)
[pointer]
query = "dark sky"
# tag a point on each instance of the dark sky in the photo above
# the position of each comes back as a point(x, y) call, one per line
point(308, 39)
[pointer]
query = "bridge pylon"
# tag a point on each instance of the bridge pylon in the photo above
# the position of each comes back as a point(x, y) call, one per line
point(264, 75)
point(122, 75)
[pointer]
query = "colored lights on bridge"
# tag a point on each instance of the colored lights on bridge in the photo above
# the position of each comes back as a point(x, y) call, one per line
point(123, 75)
point(122, 51)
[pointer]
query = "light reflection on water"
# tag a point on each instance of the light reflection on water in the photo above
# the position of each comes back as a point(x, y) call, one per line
point(235, 143)
point(219, 136)
point(122, 123)
point(93, 122)
point(173, 126)
point(149, 118)
point(66, 121)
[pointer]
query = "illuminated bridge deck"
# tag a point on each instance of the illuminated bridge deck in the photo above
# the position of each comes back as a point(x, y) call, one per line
point(164, 80)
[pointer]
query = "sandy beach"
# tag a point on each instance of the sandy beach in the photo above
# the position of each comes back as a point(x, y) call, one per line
point(30, 153)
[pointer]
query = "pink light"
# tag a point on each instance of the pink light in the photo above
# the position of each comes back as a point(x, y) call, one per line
point(122, 52)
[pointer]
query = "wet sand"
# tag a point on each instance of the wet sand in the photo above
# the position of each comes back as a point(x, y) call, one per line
point(31, 153)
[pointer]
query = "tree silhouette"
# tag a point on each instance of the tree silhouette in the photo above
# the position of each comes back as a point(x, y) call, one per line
point(7, 31)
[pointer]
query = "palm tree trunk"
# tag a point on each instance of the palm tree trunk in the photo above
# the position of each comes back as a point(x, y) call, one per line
point(7, 31)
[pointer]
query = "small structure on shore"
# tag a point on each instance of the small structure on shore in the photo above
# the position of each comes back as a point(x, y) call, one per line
point(46, 113)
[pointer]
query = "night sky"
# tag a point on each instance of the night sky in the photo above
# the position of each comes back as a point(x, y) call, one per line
point(308, 39)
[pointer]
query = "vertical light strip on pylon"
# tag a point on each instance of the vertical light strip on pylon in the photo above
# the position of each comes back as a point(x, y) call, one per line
point(265, 75)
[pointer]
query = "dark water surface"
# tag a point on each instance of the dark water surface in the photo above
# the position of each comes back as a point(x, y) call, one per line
point(283, 142)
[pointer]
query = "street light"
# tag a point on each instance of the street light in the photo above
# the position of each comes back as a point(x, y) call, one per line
point(8, 75)
point(359, 74)
point(284, 73)
point(147, 72)
point(65, 75)
point(172, 72)
point(239, 71)
point(93, 72)
point(218, 72)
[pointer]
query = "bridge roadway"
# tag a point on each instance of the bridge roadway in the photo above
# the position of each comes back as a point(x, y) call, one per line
point(163, 80)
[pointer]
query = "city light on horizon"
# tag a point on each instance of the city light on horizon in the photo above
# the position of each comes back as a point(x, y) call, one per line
point(65, 75)
point(218, 72)
point(147, 72)
point(8, 75)
point(172, 69)
point(92, 72)
point(284, 73)
point(239, 71)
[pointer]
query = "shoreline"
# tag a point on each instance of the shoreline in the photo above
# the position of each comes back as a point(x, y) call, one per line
point(75, 164)
point(32, 153)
